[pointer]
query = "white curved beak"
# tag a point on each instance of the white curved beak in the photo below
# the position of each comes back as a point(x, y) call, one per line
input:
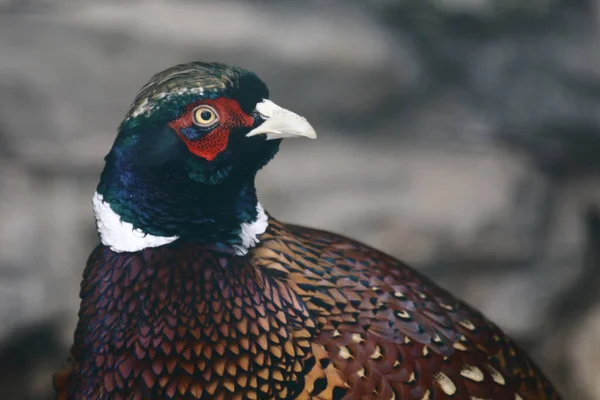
point(281, 123)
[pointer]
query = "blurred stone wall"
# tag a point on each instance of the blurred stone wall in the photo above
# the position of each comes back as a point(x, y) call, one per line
point(460, 135)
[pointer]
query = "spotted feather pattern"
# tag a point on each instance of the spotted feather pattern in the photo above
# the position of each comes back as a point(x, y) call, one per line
point(305, 315)
point(394, 334)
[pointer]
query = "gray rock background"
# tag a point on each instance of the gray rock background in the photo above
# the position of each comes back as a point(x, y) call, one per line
point(460, 135)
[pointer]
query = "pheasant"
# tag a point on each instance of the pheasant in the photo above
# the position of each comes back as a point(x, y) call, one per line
point(195, 292)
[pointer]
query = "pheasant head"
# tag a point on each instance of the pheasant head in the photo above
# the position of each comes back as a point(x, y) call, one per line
point(185, 158)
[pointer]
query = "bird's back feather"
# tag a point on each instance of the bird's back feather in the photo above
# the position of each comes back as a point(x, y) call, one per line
point(306, 314)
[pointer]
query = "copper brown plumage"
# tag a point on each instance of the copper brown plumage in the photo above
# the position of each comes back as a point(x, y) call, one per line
point(307, 314)
point(212, 327)
point(195, 293)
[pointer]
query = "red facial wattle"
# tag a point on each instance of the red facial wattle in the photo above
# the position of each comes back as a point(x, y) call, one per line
point(215, 141)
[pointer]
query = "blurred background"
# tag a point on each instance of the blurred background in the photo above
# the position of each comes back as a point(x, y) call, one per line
point(462, 136)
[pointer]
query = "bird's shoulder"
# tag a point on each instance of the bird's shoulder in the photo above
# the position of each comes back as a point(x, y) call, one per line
point(390, 332)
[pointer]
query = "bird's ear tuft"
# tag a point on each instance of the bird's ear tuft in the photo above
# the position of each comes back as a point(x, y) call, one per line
point(249, 91)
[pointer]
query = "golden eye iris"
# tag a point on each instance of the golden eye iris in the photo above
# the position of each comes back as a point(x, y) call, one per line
point(205, 116)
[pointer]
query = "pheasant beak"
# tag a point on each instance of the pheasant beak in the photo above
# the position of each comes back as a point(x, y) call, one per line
point(281, 123)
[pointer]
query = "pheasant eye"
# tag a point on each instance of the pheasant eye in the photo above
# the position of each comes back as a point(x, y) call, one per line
point(205, 116)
